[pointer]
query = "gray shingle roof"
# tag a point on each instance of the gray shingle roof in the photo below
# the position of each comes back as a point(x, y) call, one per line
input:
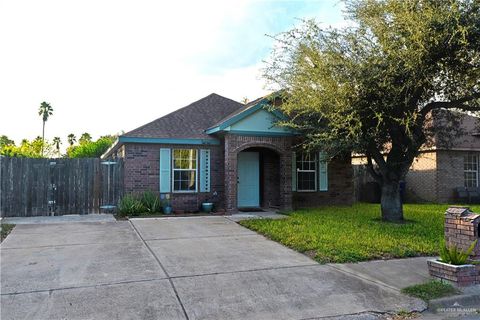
point(190, 121)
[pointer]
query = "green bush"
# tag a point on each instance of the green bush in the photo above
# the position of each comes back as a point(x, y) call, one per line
point(151, 202)
point(454, 255)
point(130, 204)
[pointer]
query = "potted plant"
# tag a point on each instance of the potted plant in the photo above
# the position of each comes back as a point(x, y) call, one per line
point(207, 206)
point(454, 266)
point(167, 208)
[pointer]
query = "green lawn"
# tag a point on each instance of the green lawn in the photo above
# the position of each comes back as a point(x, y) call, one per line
point(431, 290)
point(5, 229)
point(356, 233)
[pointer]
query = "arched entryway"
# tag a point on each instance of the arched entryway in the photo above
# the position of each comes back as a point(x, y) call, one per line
point(258, 178)
point(271, 184)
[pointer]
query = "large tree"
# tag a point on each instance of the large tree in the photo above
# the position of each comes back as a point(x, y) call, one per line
point(45, 111)
point(371, 88)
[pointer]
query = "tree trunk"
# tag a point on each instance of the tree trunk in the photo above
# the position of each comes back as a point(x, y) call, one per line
point(391, 202)
point(43, 136)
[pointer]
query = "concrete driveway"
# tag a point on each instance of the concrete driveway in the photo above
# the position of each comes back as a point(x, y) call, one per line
point(176, 268)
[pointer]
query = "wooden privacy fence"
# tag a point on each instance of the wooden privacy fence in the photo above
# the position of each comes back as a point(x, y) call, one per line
point(40, 187)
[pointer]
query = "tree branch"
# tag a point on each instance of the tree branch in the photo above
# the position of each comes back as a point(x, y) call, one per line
point(459, 103)
point(372, 171)
point(376, 155)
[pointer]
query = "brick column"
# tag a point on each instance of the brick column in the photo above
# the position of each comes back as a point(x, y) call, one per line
point(230, 178)
point(286, 181)
point(462, 228)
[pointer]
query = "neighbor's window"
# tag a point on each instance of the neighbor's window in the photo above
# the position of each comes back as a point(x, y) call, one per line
point(470, 170)
point(306, 172)
point(184, 170)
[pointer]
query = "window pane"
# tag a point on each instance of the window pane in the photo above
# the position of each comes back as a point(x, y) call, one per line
point(306, 181)
point(184, 180)
point(470, 167)
point(184, 158)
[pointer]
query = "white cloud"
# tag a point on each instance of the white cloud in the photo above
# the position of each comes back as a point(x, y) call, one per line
point(111, 65)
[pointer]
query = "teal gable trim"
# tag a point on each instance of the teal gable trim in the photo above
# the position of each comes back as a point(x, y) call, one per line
point(169, 141)
point(242, 124)
point(261, 133)
point(212, 130)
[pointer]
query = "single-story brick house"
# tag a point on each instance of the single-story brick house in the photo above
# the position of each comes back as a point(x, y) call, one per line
point(222, 151)
point(439, 169)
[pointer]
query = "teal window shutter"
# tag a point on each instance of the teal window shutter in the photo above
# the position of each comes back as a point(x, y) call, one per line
point(204, 170)
point(294, 171)
point(165, 170)
point(322, 172)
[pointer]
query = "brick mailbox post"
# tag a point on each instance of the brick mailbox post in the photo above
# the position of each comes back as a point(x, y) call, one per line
point(461, 230)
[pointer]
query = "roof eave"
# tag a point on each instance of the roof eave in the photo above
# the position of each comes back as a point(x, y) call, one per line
point(114, 147)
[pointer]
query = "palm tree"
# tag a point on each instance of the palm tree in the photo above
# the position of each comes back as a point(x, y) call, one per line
point(85, 137)
point(44, 111)
point(57, 142)
point(71, 139)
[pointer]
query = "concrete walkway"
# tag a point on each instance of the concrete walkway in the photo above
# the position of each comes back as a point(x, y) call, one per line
point(177, 268)
point(396, 274)
point(256, 215)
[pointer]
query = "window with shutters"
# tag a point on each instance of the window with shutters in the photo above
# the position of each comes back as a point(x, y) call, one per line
point(306, 172)
point(184, 169)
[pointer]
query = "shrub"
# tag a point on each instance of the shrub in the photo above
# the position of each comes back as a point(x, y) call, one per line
point(151, 202)
point(454, 255)
point(130, 205)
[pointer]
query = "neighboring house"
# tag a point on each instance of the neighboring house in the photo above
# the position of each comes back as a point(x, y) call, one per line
point(440, 168)
point(232, 154)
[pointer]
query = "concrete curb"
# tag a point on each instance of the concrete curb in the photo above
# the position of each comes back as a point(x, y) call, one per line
point(463, 300)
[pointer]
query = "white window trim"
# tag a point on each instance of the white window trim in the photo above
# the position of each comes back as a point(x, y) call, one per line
point(173, 172)
point(474, 171)
point(316, 175)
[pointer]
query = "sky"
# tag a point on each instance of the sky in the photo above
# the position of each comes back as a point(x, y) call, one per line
point(108, 66)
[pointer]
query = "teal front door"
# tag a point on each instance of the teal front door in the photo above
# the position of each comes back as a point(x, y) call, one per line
point(248, 183)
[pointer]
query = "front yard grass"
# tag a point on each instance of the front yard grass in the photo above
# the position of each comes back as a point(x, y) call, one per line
point(5, 229)
point(356, 233)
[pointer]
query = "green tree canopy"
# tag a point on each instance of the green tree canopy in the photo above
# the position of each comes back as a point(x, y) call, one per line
point(5, 141)
point(37, 148)
point(85, 138)
point(371, 88)
point(91, 149)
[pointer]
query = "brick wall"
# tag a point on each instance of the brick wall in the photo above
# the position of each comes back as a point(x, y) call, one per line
point(270, 168)
point(433, 176)
point(449, 175)
point(462, 276)
point(280, 145)
point(142, 163)
point(142, 173)
point(421, 180)
point(340, 187)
